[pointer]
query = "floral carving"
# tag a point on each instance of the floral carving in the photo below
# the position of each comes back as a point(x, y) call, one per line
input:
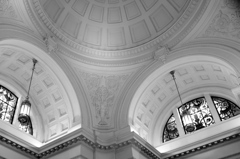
point(227, 22)
point(7, 9)
point(103, 90)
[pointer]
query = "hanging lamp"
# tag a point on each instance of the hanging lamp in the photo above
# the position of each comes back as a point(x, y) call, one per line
point(186, 115)
point(24, 115)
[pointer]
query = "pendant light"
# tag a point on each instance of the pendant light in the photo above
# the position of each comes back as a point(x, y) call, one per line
point(186, 115)
point(24, 115)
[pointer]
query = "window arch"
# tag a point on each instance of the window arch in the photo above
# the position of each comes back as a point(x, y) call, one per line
point(8, 105)
point(170, 130)
point(196, 114)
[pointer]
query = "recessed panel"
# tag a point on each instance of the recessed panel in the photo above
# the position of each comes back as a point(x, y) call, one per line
point(147, 4)
point(53, 9)
point(93, 35)
point(139, 31)
point(132, 10)
point(114, 15)
point(71, 25)
point(161, 18)
point(116, 37)
point(80, 6)
point(178, 4)
point(96, 13)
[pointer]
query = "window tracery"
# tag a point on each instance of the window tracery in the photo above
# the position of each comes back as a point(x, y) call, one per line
point(225, 108)
point(195, 115)
point(8, 102)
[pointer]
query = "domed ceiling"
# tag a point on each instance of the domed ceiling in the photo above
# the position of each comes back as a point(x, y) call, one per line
point(114, 28)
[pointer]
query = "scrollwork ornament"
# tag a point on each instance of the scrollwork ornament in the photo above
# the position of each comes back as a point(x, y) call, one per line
point(3, 5)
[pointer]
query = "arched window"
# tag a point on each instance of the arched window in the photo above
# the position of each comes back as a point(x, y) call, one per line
point(195, 115)
point(8, 104)
point(170, 130)
point(225, 108)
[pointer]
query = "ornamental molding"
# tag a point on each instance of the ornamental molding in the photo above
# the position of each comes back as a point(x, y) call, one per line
point(143, 147)
point(136, 51)
point(117, 63)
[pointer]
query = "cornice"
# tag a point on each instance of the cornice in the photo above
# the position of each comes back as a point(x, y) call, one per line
point(136, 51)
point(206, 146)
point(144, 148)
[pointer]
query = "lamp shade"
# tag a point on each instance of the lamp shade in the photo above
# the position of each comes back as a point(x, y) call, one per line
point(24, 115)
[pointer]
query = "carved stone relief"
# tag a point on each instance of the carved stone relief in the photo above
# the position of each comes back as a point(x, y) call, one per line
point(103, 90)
point(227, 21)
point(7, 9)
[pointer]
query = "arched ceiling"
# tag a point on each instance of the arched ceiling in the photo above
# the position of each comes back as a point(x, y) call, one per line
point(150, 101)
point(116, 28)
point(53, 112)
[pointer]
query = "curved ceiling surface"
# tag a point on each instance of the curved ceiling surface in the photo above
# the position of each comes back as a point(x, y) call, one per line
point(111, 25)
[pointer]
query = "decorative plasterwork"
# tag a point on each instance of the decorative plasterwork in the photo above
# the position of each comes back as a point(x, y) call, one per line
point(103, 90)
point(226, 22)
point(146, 149)
point(7, 10)
point(191, 7)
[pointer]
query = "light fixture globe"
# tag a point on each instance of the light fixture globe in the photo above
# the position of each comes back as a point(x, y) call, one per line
point(24, 115)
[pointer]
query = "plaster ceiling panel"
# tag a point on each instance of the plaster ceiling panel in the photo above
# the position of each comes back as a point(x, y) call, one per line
point(147, 4)
point(114, 15)
point(71, 25)
point(53, 8)
point(178, 4)
point(96, 13)
point(93, 35)
point(116, 37)
point(132, 10)
point(80, 6)
point(113, 1)
point(139, 31)
point(161, 18)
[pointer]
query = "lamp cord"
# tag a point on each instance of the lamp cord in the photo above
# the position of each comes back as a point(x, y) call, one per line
point(34, 63)
point(172, 73)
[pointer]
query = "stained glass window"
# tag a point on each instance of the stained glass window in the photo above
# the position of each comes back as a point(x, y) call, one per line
point(27, 128)
point(195, 115)
point(8, 102)
point(170, 130)
point(226, 109)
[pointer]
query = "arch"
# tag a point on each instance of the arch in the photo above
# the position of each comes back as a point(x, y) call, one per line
point(208, 54)
point(70, 103)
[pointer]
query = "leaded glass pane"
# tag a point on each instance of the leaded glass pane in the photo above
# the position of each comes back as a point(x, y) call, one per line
point(226, 109)
point(8, 102)
point(170, 130)
point(195, 115)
